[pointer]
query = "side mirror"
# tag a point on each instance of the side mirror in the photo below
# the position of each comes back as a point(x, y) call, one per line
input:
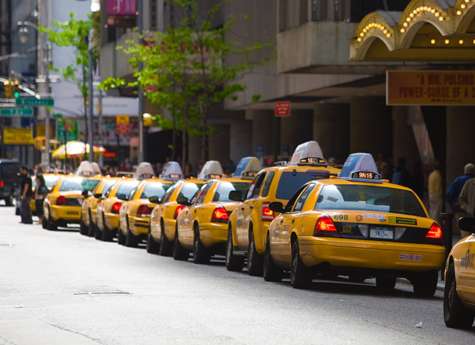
point(236, 195)
point(98, 196)
point(85, 193)
point(467, 224)
point(155, 200)
point(277, 207)
point(183, 201)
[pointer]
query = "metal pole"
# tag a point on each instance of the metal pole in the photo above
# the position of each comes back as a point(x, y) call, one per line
point(101, 140)
point(141, 157)
point(90, 119)
point(43, 77)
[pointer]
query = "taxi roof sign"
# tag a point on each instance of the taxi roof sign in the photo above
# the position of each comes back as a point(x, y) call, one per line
point(360, 166)
point(247, 166)
point(211, 169)
point(172, 171)
point(85, 169)
point(309, 149)
point(144, 171)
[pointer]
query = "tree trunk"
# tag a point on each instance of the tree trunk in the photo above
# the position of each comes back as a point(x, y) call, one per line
point(84, 99)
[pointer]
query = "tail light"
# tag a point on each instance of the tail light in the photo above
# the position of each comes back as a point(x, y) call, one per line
point(116, 207)
point(143, 211)
point(324, 225)
point(2, 183)
point(267, 213)
point(220, 215)
point(178, 209)
point(435, 232)
point(61, 200)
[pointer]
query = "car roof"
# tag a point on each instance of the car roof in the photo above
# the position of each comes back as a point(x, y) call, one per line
point(382, 183)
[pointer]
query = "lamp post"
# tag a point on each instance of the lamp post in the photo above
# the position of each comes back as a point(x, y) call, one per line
point(140, 24)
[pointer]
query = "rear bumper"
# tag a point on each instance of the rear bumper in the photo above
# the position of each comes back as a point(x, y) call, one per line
point(70, 214)
point(112, 221)
point(139, 225)
point(365, 254)
point(212, 234)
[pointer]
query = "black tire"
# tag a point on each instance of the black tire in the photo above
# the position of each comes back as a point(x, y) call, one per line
point(120, 237)
point(44, 223)
point(234, 262)
point(179, 252)
point(271, 272)
point(9, 201)
point(385, 282)
point(50, 223)
point(83, 228)
point(425, 284)
point(200, 252)
point(91, 230)
point(456, 314)
point(152, 246)
point(166, 246)
point(255, 261)
point(97, 231)
point(107, 235)
point(300, 277)
point(131, 240)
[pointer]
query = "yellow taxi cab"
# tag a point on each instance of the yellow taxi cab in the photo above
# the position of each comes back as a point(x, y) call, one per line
point(50, 181)
point(459, 293)
point(89, 206)
point(108, 208)
point(356, 224)
point(250, 221)
point(203, 224)
point(62, 205)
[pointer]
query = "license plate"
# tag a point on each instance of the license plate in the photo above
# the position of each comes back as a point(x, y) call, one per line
point(382, 234)
point(71, 213)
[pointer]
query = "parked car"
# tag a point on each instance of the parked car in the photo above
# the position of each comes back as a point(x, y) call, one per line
point(9, 180)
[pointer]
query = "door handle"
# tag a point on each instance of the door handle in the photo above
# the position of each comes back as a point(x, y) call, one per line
point(281, 222)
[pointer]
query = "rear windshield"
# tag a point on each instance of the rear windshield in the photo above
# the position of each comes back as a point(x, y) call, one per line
point(224, 188)
point(89, 184)
point(155, 189)
point(71, 185)
point(291, 181)
point(189, 190)
point(125, 190)
point(369, 198)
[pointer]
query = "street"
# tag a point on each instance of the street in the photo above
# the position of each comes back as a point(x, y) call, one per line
point(58, 287)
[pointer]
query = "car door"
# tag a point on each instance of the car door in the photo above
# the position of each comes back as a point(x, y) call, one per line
point(466, 270)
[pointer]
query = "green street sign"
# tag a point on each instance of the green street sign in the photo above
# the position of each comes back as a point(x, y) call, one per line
point(12, 112)
point(66, 129)
point(35, 102)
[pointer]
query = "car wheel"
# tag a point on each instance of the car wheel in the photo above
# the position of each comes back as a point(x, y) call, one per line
point(233, 262)
point(385, 282)
point(254, 259)
point(120, 237)
point(200, 253)
point(91, 230)
point(97, 231)
point(82, 228)
point(300, 277)
point(152, 245)
point(107, 235)
point(44, 223)
point(425, 283)
point(50, 223)
point(179, 252)
point(166, 247)
point(271, 272)
point(456, 315)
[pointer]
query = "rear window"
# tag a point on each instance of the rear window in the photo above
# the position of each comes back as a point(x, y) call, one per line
point(126, 190)
point(89, 184)
point(291, 181)
point(189, 190)
point(369, 198)
point(156, 189)
point(224, 188)
point(71, 185)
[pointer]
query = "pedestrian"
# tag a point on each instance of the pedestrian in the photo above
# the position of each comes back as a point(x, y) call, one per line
point(40, 193)
point(26, 192)
point(435, 190)
point(467, 201)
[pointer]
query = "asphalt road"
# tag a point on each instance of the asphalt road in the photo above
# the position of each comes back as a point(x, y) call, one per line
point(62, 288)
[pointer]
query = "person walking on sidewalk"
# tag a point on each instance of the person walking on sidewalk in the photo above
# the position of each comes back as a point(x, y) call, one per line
point(26, 193)
point(436, 194)
point(467, 201)
point(40, 193)
point(453, 193)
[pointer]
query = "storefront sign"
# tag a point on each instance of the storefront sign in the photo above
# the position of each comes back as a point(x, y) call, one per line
point(17, 111)
point(121, 7)
point(18, 136)
point(282, 109)
point(122, 124)
point(431, 87)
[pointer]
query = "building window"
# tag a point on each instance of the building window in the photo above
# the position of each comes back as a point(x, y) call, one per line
point(153, 15)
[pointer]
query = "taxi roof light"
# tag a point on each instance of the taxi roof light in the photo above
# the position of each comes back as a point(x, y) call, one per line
point(361, 167)
point(144, 170)
point(247, 167)
point(211, 169)
point(309, 149)
point(172, 171)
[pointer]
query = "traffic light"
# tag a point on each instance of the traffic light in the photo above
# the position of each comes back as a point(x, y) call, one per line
point(11, 88)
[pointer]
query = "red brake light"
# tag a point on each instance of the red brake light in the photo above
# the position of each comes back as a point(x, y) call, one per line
point(178, 209)
point(435, 232)
point(144, 210)
point(325, 224)
point(220, 215)
point(116, 207)
point(61, 200)
point(267, 213)
point(2, 183)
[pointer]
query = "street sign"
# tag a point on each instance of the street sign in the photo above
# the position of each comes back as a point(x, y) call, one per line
point(12, 112)
point(35, 102)
point(430, 87)
point(18, 136)
point(282, 109)
point(66, 129)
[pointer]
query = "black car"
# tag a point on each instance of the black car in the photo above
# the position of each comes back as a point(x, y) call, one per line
point(9, 179)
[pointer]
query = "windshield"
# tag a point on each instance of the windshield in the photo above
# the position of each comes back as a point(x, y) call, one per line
point(70, 185)
point(291, 181)
point(369, 198)
point(155, 189)
point(224, 188)
point(125, 190)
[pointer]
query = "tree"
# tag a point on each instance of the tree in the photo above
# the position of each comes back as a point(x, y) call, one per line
point(74, 33)
point(186, 71)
